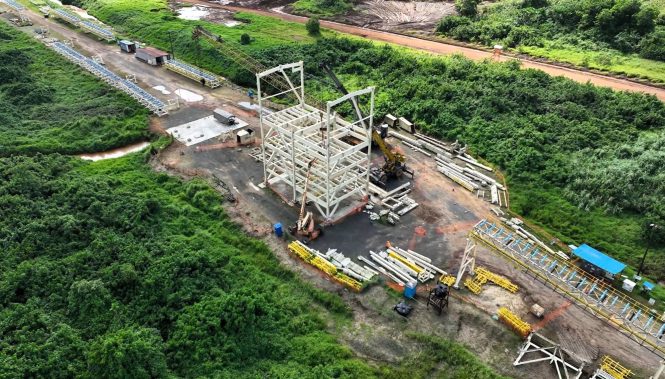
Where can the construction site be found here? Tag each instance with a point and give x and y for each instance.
(414, 232)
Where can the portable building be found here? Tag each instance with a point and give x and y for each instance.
(597, 263)
(152, 56)
(127, 46)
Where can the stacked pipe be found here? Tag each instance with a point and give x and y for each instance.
(404, 266)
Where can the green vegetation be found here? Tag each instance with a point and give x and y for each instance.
(560, 142)
(49, 105)
(112, 270)
(439, 358)
(322, 8)
(313, 27)
(620, 36)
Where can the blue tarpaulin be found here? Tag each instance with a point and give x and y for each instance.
(599, 259)
(648, 286)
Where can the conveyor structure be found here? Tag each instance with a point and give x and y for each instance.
(13, 5)
(155, 105)
(193, 72)
(294, 136)
(97, 30)
(67, 16)
(593, 294)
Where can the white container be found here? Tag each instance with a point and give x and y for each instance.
(628, 285)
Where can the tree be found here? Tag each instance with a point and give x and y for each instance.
(245, 39)
(131, 352)
(653, 46)
(313, 26)
(468, 8)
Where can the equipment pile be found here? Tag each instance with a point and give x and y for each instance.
(396, 203)
(402, 266)
(335, 264)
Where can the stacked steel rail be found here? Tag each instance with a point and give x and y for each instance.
(593, 294)
(14, 5)
(97, 30)
(195, 73)
(155, 105)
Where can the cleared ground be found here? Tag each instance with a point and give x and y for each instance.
(437, 228)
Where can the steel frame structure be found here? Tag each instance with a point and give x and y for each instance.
(294, 136)
(14, 5)
(591, 293)
(546, 350)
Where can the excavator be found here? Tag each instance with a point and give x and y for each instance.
(305, 226)
(394, 163)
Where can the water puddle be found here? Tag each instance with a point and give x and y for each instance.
(253, 107)
(188, 96)
(193, 13)
(162, 89)
(115, 153)
(82, 13)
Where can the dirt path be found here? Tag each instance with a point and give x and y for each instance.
(443, 48)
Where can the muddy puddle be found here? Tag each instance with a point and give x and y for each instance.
(115, 153)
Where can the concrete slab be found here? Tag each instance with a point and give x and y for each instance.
(203, 129)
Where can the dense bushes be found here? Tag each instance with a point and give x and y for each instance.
(626, 25)
(48, 105)
(111, 270)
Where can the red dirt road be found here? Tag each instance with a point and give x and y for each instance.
(443, 48)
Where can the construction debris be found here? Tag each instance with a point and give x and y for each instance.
(537, 348)
(404, 266)
(336, 265)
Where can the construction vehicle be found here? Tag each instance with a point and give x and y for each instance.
(394, 162)
(306, 226)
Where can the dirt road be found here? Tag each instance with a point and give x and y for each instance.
(443, 48)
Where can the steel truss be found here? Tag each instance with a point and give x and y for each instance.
(593, 294)
(537, 348)
(293, 137)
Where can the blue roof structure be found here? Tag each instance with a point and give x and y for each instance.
(648, 285)
(599, 259)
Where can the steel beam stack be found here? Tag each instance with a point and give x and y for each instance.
(593, 294)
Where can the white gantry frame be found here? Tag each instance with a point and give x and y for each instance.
(468, 261)
(295, 136)
(537, 348)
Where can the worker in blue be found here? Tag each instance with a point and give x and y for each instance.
(250, 93)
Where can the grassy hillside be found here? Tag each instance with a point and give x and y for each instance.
(582, 161)
(621, 36)
(49, 105)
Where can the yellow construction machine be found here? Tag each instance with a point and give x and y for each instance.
(394, 162)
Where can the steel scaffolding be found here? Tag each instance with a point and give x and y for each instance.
(293, 137)
(593, 294)
(537, 348)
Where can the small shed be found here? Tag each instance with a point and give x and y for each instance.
(597, 263)
(407, 125)
(245, 136)
(152, 56)
(127, 46)
(390, 120)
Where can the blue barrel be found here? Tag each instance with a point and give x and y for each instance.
(278, 229)
(410, 289)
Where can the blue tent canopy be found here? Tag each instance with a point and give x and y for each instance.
(599, 259)
(648, 285)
